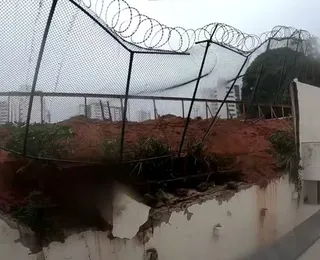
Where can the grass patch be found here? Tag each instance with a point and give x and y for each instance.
(44, 141)
(283, 143)
(111, 150)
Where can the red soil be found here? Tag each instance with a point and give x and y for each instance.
(247, 143)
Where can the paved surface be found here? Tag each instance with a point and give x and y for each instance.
(312, 253)
(295, 244)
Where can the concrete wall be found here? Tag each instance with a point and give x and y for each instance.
(309, 130)
(251, 219)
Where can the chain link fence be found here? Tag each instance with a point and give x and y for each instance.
(74, 87)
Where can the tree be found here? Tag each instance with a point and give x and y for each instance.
(280, 67)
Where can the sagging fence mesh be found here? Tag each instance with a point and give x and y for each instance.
(73, 87)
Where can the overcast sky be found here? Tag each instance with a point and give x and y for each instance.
(251, 16)
(80, 57)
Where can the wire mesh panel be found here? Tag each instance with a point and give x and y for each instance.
(80, 56)
(22, 25)
(89, 81)
(155, 74)
(216, 85)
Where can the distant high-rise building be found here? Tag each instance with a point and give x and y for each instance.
(4, 112)
(143, 115)
(96, 111)
(228, 110)
(19, 107)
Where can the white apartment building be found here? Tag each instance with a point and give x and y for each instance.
(228, 110)
(143, 115)
(19, 108)
(4, 112)
(94, 110)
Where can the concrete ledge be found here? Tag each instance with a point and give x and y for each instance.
(293, 244)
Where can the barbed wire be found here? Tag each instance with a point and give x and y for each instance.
(144, 31)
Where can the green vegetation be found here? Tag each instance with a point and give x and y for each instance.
(160, 168)
(150, 148)
(111, 150)
(31, 210)
(297, 65)
(43, 141)
(284, 145)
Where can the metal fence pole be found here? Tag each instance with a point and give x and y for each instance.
(36, 73)
(124, 118)
(85, 107)
(280, 82)
(228, 113)
(109, 111)
(121, 105)
(102, 111)
(259, 111)
(243, 110)
(41, 107)
(154, 109)
(254, 92)
(193, 97)
(224, 100)
(182, 108)
(274, 113)
(209, 111)
(206, 110)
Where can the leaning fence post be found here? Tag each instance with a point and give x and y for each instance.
(85, 107)
(243, 110)
(213, 121)
(193, 97)
(228, 112)
(36, 73)
(121, 105)
(109, 111)
(254, 92)
(209, 111)
(155, 109)
(124, 117)
(274, 113)
(41, 107)
(102, 111)
(206, 110)
(182, 108)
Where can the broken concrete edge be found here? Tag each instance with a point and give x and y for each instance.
(156, 217)
(162, 214)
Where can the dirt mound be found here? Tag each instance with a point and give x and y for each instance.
(247, 143)
(233, 152)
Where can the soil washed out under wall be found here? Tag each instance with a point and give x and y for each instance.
(56, 200)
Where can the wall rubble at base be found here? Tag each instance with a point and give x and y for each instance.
(251, 219)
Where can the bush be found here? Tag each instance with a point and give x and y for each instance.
(111, 149)
(150, 148)
(160, 168)
(284, 145)
(44, 141)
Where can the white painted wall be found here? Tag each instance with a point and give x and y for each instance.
(309, 130)
(244, 229)
(309, 125)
